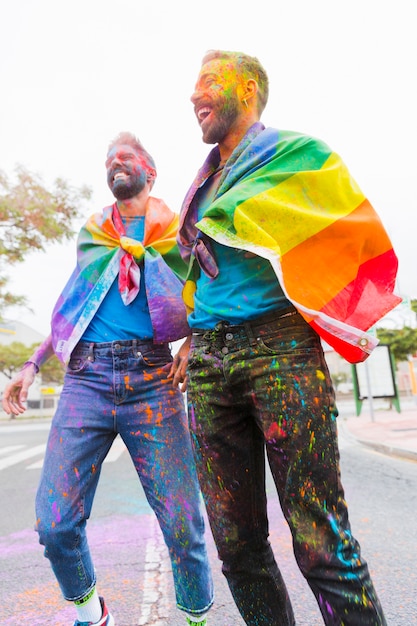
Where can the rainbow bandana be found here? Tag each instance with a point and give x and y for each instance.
(288, 198)
(103, 252)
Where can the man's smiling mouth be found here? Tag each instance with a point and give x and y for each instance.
(203, 113)
(119, 176)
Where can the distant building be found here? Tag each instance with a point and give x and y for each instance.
(18, 331)
(42, 399)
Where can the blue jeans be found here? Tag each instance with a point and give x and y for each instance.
(265, 387)
(110, 388)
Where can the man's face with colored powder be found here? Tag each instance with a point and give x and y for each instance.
(215, 99)
(127, 171)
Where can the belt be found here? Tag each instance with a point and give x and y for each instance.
(125, 346)
(226, 334)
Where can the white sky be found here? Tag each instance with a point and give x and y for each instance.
(74, 74)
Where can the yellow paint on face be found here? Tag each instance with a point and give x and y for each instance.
(217, 77)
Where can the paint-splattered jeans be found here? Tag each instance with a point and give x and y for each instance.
(110, 388)
(267, 387)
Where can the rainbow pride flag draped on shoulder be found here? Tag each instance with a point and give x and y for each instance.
(288, 198)
(105, 252)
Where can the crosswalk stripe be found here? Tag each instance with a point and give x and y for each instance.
(115, 452)
(22, 456)
(8, 449)
(36, 465)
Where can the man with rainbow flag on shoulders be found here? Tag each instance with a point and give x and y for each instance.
(111, 327)
(283, 250)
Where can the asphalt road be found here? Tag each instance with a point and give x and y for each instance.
(131, 559)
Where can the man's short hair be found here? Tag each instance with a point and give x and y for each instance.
(246, 66)
(129, 139)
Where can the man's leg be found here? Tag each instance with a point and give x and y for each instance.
(230, 460)
(153, 424)
(297, 412)
(78, 443)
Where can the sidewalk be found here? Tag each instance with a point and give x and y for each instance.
(386, 431)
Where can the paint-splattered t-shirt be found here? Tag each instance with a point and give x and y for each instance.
(245, 287)
(114, 320)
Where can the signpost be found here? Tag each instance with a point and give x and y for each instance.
(375, 378)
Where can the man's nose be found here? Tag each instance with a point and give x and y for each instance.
(195, 96)
(115, 162)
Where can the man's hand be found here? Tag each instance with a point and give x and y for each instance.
(178, 371)
(16, 392)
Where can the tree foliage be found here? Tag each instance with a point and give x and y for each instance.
(403, 342)
(32, 216)
(13, 355)
(52, 372)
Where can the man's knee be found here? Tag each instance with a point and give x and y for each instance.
(56, 537)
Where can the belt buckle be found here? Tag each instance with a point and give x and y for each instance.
(221, 326)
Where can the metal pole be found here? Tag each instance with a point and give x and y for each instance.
(368, 384)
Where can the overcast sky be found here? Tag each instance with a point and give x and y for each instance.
(74, 74)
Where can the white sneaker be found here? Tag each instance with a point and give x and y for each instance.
(105, 620)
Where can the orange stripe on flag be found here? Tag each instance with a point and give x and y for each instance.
(316, 258)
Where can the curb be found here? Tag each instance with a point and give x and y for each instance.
(378, 447)
(388, 450)
(7, 421)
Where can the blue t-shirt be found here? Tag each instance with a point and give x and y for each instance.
(246, 286)
(115, 320)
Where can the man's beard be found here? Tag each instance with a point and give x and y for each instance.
(226, 114)
(126, 188)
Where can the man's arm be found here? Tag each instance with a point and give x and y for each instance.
(16, 392)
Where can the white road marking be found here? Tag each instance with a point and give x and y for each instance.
(36, 465)
(155, 599)
(8, 449)
(15, 454)
(18, 457)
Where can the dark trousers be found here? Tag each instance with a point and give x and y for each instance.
(266, 387)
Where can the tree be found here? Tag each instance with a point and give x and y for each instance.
(52, 372)
(403, 342)
(13, 355)
(32, 216)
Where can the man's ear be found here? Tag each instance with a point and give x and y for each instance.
(249, 90)
(151, 175)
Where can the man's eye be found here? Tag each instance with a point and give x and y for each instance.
(214, 84)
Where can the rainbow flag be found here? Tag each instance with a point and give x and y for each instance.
(105, 253)
(288, 198)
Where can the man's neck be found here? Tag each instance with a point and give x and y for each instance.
(235, 135)
(134, 206)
